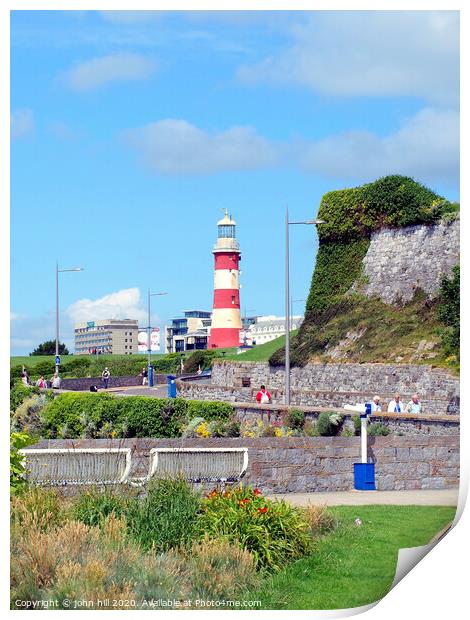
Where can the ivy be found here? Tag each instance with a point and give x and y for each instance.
(449, 311)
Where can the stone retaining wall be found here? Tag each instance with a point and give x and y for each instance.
(307, 398)
(329, 384)
(84, 383)
(400, 260)
(298, 465)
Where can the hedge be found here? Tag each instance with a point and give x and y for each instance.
(76, 415)
(19, 393)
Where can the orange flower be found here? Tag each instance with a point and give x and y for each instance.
(227, 494)
(242, 502)
(262, 510)
(257, 492)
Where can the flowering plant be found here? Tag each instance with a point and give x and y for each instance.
(273, 531)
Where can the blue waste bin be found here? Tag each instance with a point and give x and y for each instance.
(171, 386)
(150, 376)
(364, 476)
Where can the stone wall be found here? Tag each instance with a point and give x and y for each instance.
(333, 385)
(303, 465)
(84, 383)
(400, 260)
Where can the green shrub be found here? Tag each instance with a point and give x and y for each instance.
(95, 506)
(17, 468)
(274, 532)
(91, 415)
(209, 410)
(19, 393)
(357, 424)
(75, 411)
(28, 416)
(200, 359)
(449, 312)
(378, 429)
(43, 507)
(328, 423)
(167, 517)
(295, 419)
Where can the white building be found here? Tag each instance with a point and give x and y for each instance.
(267, 328)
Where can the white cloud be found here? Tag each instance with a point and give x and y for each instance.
(426, 147)
(98, 72)
(21, 123)
(132, 17)
(369, 53)
(174, 146)
(123, 304)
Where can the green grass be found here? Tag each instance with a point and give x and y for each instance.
(32, 360)
(260, 352)
(353, 566)
(382, 333)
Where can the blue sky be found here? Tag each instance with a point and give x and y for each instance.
(131, 131)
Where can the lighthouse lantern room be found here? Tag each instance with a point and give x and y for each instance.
(226, 322)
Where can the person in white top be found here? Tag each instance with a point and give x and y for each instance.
(395, 405)
(414, 406)
(55, 381)
(376, 406)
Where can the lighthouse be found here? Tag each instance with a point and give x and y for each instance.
(226, 323)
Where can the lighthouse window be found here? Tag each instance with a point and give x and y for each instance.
(227, 231)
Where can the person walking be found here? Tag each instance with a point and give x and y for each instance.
(25, 378)
(144, 375)
(41, 383)
(263, 397)
(55, 381)
(395, 405)
(105, 377)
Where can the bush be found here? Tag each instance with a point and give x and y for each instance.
(449, 312)
(220, 570)
(378, 429)
(295, 419)
(320, 520)
(200, 359)
(28, 416)
(17, 469)
(43, 507)
(103, 415)
(75, 412)
(274, 532)
(19, 393)
(209, 410)
(94, 507)
(167, 517)
(328, 423)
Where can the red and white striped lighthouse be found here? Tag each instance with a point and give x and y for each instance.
(226, 323)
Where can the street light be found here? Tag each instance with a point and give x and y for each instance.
(149, 330)
(57, 271)
(287, 325)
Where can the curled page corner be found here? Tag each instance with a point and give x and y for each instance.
(409, 557)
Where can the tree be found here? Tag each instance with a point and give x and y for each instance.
(48, 348)
(449, 311)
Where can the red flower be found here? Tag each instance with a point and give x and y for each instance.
(242, 502)
(257, 492)
(262, 510)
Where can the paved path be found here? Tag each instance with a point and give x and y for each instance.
(441, 497)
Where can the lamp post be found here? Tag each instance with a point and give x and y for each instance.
(149, 331)
(287, 301)
(57, 271)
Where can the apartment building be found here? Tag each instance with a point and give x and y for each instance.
(110, 336)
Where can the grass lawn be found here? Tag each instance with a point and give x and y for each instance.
(261, 352)
(353, 566)
(32, 360)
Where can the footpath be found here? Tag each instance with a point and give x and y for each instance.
(428, 497)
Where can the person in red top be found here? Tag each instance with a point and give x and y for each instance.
(263, 397)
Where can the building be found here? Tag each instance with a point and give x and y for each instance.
(188, 333)
(226, 321)
(268, 328)
(111, 336)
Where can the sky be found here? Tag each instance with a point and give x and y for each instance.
(132, 131)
